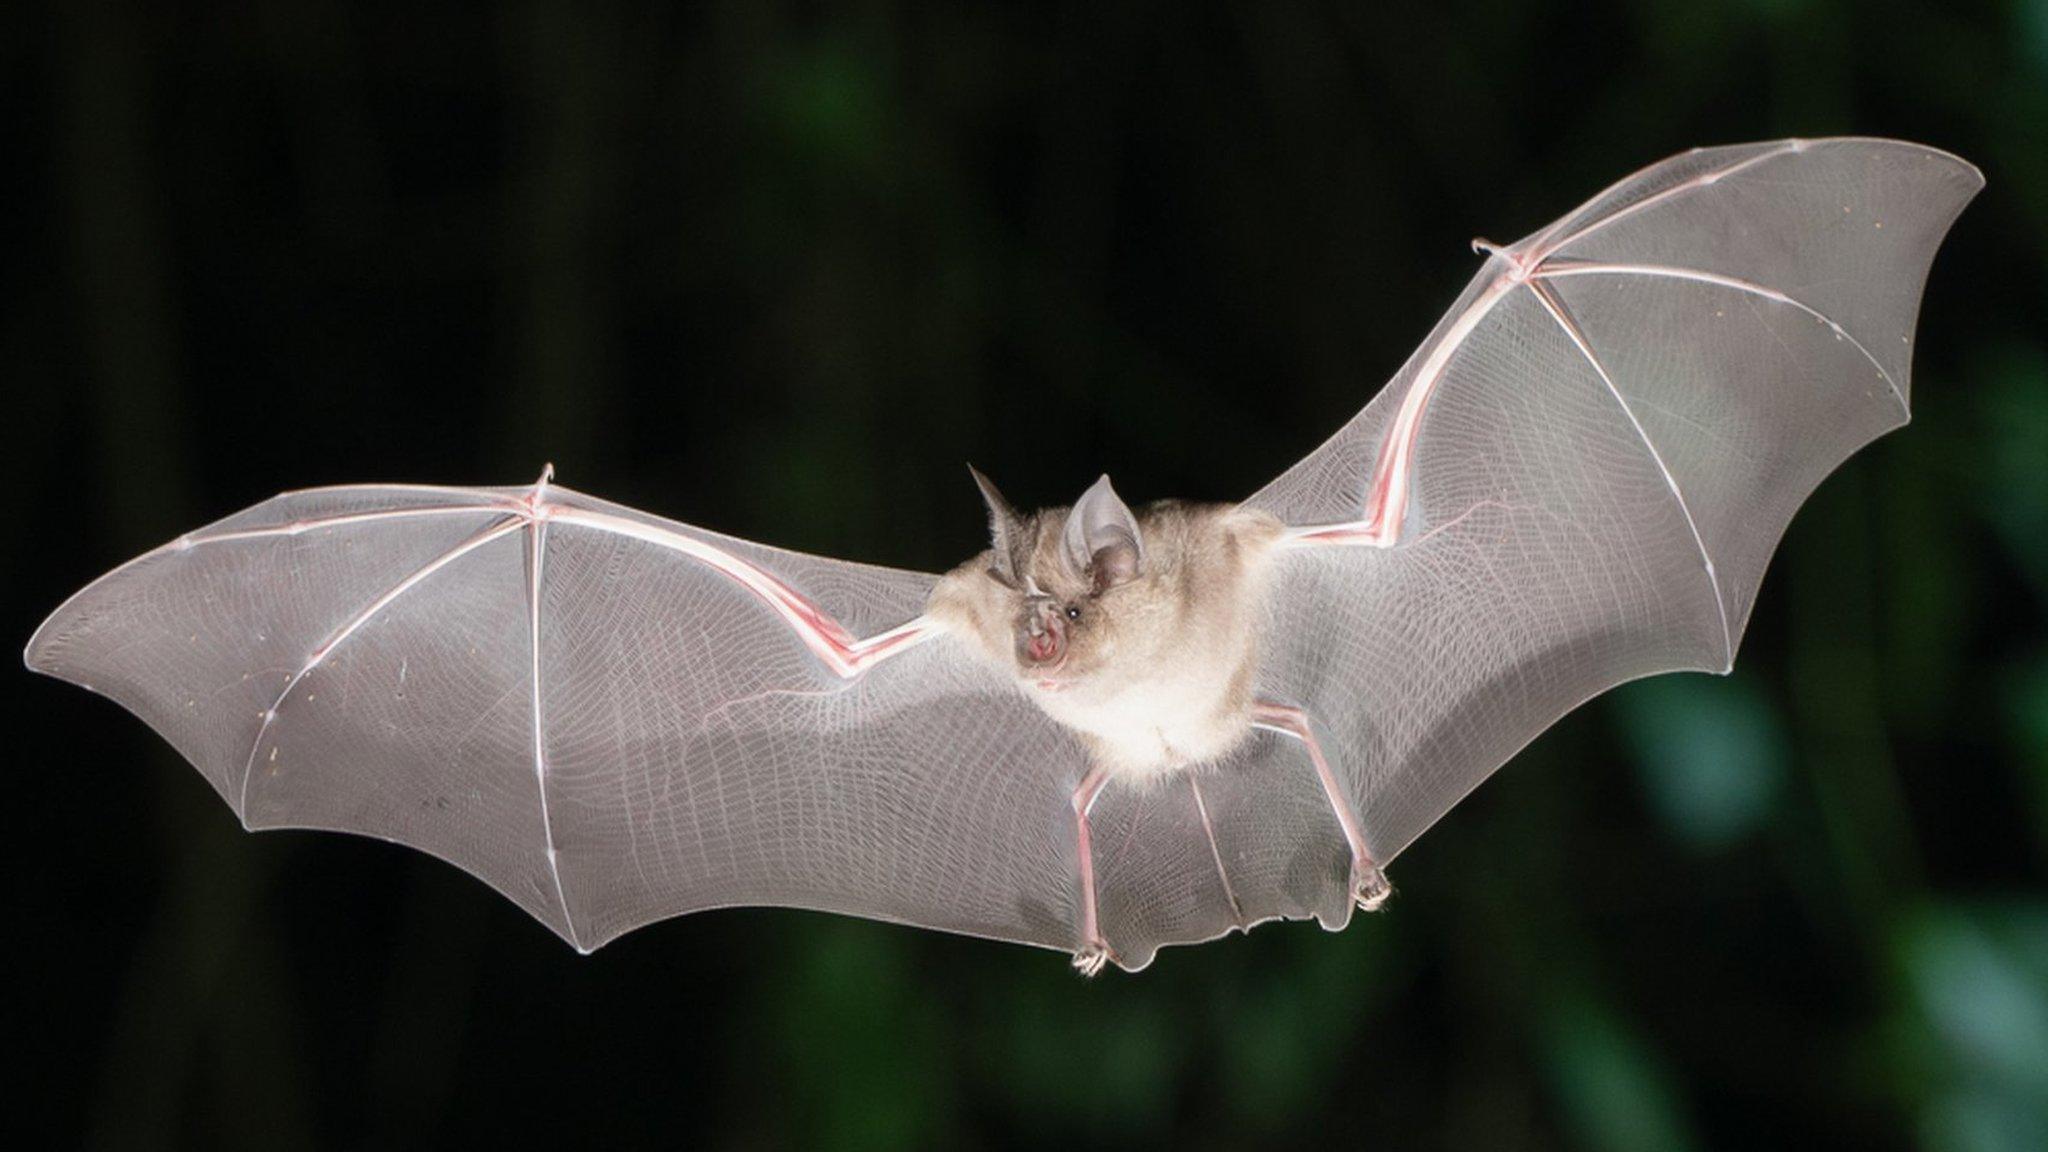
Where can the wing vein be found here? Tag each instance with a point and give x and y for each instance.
(1577, 336)
(299, 527)
(1734, 283)
(536, 540)
(829, 640)
(1544, 247)
(350, 628)
(1215, 851)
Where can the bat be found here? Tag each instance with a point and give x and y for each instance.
(1115, 729)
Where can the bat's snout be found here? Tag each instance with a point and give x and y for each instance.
(1043, 640)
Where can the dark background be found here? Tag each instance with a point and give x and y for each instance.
(781, 269)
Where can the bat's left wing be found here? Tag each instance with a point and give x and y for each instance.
(1580, 476)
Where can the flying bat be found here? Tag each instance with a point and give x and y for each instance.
(1117, 728)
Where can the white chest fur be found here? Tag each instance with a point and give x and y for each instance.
(1154, 724)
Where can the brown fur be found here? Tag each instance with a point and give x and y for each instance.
(1158, 671)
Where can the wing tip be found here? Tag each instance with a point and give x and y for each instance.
(1972, 175)
(36, 655)
(35, 646)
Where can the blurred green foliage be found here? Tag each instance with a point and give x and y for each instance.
(1712, 755)
(780, 268)
(1975, 1037)
(1613, 1087)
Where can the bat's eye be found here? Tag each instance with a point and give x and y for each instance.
(1073, 612)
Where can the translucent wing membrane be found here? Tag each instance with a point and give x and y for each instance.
(611, 718)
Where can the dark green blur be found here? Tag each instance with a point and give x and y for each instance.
(782, 270)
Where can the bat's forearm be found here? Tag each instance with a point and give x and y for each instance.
(839, 650)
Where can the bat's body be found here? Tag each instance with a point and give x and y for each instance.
(1113, 730)
(1139, 633)
(1154, 671)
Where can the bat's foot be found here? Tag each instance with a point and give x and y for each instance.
(1090, 959)
(1369, 887)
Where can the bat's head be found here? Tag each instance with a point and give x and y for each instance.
(1067, 577)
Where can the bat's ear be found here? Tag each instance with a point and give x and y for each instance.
(1102, 537)
(1004, 528)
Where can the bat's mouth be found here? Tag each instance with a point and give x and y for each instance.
(1043, 647)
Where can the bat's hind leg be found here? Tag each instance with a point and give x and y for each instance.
(1369, 887)
(1094, 951)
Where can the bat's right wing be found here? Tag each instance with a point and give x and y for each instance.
(1580, 476)
(609, 717)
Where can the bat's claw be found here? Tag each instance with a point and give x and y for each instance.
(1369, 887)
(1090, 959)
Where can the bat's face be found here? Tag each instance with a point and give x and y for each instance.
(1063, 625)
(1065, 581)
